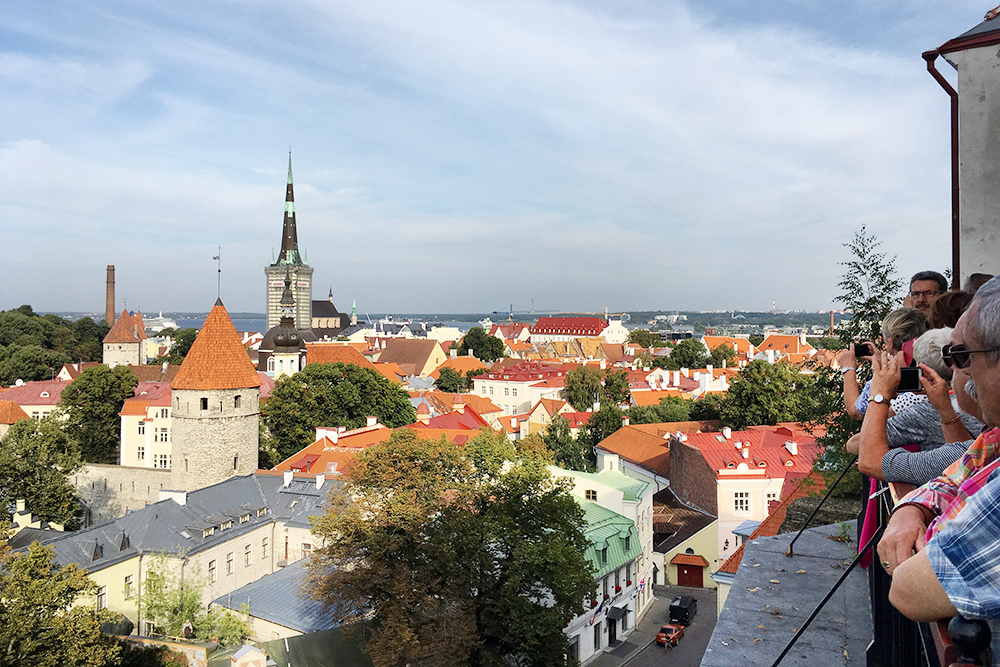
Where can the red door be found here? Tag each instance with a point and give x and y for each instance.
(689, 575)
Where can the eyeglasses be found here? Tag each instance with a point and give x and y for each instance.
(956, 356)
(928, 293)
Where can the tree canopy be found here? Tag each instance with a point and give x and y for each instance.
(34, 347)
(169, 603)
(484, 347)
(670, 409)
(40, 622)
(568, 451)
(585, 385)
(763, 393)
(645, 338)
(91, 404)
(464, 556)
(454, 382)
(870, 288)
(331, 395)
(721, 353)
(690, 353)
(36, 459)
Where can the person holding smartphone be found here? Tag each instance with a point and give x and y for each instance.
(941, 427)
(899, 326)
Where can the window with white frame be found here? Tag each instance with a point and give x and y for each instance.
(229, 563)
(247, 556)
(263, 548)
(102, 597)
(129, 587)
(741, 502)
(213, 574)
(768, 497)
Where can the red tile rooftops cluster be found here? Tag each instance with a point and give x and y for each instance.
(40, 392)
(507, 331)
(146, 394)
(569, 326)
(525, 371)
(771, 452)
(128, 328)
(332, 353)
(217, 359)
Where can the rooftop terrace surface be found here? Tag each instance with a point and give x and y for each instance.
(773, 594)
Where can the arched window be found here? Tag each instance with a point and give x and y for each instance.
(270, 364)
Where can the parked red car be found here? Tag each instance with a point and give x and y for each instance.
(670, 634)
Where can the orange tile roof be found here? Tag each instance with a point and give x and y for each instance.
(642, 446)
(217, 359)
(11, 413)
(332, 353)
(321, 454)
(127, 329)
(146, 394)
(390, 370)
(461, 365)
(653, 397)
(785, 344)
(712, 342)
(688, 559)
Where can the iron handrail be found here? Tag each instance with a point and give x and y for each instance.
(843, 472)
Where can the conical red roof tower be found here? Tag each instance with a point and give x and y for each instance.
(217, 359)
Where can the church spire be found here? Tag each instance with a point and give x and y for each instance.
(289, 237)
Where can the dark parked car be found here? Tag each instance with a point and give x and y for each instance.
(670, 634)
(682, 609)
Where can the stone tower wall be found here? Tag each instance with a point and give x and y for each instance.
(109, 491)
(301, 291)
(121, 354)
(207, 440)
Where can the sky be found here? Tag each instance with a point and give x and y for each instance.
(470, 156)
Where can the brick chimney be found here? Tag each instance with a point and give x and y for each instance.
(109, 301)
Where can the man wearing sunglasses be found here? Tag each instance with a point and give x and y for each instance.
(953, 522)
(925, 288)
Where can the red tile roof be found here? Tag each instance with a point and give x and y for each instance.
(128, 328)
(217, 359)
(569, 326)
(324, 455)
(688, 559)
(332, 353)
(766, 450)
(40, 392)
(11, 413)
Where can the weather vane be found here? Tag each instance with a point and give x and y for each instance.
(218, 258)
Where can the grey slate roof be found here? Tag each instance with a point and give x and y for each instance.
(281, 598)
(170, 527)
(779, 592)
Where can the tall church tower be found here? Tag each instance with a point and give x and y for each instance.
(290, 262)
(216, 408)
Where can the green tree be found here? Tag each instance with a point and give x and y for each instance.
(585, 385)
(614, 386)
(30, 362)
(449, 380)
(568, 451)
(707, 407)
(763, 393)
(485, 347)
(670, 409)
(465, 556)
(36, 460)
(183, 339)
(755, 339)
(331, 395)
(869, 287)
(690, 353)
(722, 353)
(666, 363)
(645, 338)
(601, 424)
(169, 602)
(40, 622)
(92, 403)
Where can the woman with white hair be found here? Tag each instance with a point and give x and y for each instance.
(941, 429)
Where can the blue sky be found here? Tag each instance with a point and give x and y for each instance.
(466, 156)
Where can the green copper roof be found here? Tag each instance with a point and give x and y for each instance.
(608, 530)
(632, 489)
(289, 166)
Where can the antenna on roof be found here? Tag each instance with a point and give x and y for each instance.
(218, 258)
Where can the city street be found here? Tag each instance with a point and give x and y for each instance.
(640, 648)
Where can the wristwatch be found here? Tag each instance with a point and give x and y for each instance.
(878, 398)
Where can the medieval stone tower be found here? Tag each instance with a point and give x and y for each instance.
(216, 408)
(289, 263)
(126, 341)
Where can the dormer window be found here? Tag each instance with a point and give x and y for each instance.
(227, 525)
(244, 518)
(590, 494)
(262, 511)
(208, 532)
(730, 465)
(44, 394)
(762, 464)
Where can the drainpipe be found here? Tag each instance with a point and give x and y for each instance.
(956, 277)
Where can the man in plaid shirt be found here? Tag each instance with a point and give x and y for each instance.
(940, 545)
